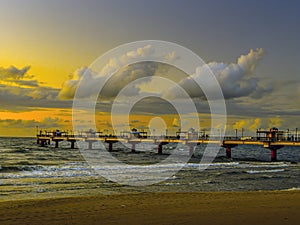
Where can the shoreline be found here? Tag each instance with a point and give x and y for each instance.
(96, 194)
(252, 207)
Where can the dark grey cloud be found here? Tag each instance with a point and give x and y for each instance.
(19, 90)
(13, 72)
(30, 83)
(19, 98)
(46, 122)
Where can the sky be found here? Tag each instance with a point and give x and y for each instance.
(46, 47)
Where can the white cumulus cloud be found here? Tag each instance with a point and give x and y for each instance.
(235, 79)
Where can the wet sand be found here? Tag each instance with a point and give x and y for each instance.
(275, 207)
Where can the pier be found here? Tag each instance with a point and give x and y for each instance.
(272, 140)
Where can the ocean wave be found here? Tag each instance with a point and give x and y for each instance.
(292, 189)
(217, 164)
(38, 171)
(265, 165)
(265, 171)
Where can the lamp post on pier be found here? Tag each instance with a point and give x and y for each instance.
(204, 134)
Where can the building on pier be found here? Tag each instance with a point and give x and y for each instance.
(273, 135)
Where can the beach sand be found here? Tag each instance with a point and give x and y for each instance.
(274, 207)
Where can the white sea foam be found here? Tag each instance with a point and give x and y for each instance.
(264, 165)
(265, 171)
(165, 166)
(293, 189)
(74, 169)
(218, 164)
(49, 172)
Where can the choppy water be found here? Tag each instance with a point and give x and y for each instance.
(30, 171)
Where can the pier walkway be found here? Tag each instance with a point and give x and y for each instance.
(272, 140)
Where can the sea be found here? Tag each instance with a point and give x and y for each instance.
(29, 171)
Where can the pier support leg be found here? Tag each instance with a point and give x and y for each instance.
(42, 143)
(133, 147)
(110, 146)
(191, 150)
(72, 144)
(273, 155)
(159, 149)
(228, 152)
(56, 144)
(90, 145)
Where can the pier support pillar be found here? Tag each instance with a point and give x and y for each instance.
(133, 147)
(159, 149)
(273, 155)
(228, 148)
(56, 144)
(273, 149)
(42, 143)
(72, 144)
(228, 152)
(90, 145)
(110, 146)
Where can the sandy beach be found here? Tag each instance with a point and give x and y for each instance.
(274, 207)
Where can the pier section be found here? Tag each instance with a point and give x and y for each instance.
(272, 140)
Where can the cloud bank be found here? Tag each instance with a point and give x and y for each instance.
(19, 89)
(236, 79)
(46, 122)
(90, 79)
(112, 86)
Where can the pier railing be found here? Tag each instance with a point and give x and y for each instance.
(211, 138)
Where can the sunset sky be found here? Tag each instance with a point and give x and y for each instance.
(46, 45)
